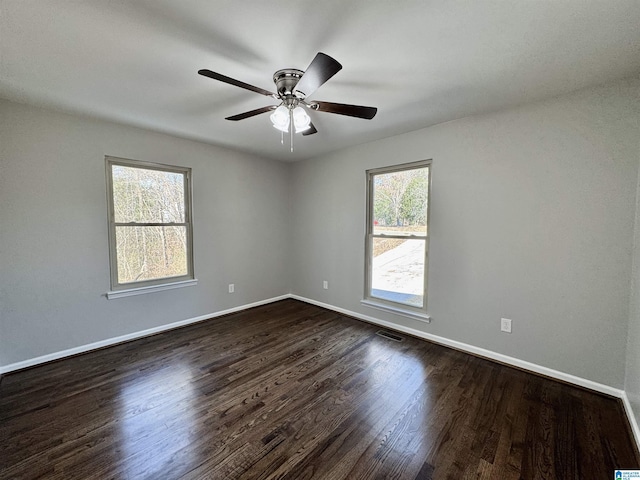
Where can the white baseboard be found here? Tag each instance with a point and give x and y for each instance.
(532, 367)
(130, 336)
(516, 362)
(632, 418)
(598, 387)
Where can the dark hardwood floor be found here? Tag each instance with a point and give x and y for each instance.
(292, 391)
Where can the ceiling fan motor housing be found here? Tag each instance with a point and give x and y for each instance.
(286, 80)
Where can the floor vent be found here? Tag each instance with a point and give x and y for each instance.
(389, 335)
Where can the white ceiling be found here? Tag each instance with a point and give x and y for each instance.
(420, 62)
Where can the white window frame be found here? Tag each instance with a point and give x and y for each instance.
(418, 313)
(147, 286)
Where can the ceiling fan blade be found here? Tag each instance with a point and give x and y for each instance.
(251, 113)
(321, 69)
(344, 109)
(237, 83)
(310, 131)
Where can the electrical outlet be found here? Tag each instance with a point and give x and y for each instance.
(325, 284)
(232, 288)
(505, 325)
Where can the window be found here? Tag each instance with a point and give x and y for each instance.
(150, 241)
(397, 239)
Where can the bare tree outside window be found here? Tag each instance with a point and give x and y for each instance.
(149, 223)
(397, 235)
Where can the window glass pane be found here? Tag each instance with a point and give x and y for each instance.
(147, 196)
(148, 253)
(400, 202)
(397, 272)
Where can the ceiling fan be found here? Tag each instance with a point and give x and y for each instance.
(293, 87)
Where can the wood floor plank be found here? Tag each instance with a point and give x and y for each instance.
(292, 391)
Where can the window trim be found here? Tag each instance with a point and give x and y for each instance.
(419, 313)
(119, 290)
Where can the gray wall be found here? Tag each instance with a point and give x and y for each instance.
(632, 379)
(532, 218)
(54, 262)
(532, 215)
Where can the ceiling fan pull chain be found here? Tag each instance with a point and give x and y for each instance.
(281, 137)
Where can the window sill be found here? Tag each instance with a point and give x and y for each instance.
(397, 310)
(130, 292)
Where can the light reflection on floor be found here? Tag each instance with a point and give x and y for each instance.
(158, 421)
(411, 395)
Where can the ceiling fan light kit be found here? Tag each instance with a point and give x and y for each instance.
(293, 86)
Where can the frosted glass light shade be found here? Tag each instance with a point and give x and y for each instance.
(300, 119)
(280, 118)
